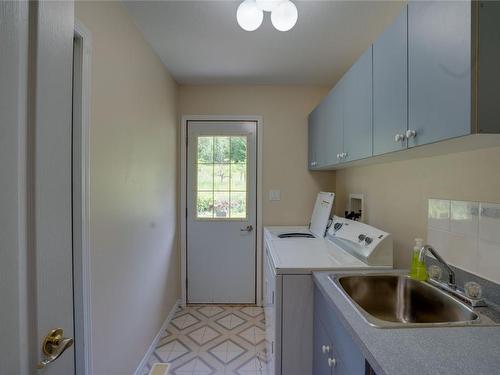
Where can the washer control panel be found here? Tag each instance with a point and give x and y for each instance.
(360, 239)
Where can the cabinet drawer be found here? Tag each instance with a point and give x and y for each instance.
(349, 357)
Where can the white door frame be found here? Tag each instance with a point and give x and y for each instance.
(183, 195)
(81, 202)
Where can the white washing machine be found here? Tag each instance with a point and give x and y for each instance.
(288, 286)
(318, 226)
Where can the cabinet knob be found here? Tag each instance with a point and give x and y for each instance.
(399, 137)
(325, 349)
(332, 362)
(344, 155)
(411, 134)
(338, 156)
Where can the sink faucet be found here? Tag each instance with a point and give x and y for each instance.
(451, 274)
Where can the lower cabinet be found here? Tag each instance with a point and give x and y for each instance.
(323, 355)
(334, 350)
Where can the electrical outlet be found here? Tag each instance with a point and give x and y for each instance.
(274, 195)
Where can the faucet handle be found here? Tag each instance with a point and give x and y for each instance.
(473, 290)
(435, 272)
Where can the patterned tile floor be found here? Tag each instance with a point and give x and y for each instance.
(214, 340)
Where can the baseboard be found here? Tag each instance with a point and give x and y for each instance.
(144, 361)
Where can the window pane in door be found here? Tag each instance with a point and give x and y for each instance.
(239, 150)
(239, 177)
(221, 177)
(221, 149)
(205, 205)
(205, 149)
(238, 205)
(221, 205)
(221, 184)
(205, 177)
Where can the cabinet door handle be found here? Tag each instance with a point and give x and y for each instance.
(332, 362)
(325, 349)
(399, 137)
(411, 134)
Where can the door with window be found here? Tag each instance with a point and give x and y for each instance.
(221, 212)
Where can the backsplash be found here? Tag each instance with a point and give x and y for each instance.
(467, 235)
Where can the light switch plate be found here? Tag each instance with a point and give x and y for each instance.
(274, 195)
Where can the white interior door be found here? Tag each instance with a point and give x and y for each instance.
(221, 212)
(51, 181)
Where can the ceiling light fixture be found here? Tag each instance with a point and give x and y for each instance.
(284, 14)
(249, 15)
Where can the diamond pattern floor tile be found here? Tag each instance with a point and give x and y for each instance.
(252, 311)
(185, 321)
(251, 367)
(214, 340)
(230, 321)
(227, 351)
(210, 311)
(254, 335)
(204, 335)
(171, 351)
(196, 366)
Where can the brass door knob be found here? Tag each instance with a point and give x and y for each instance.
(54, 344)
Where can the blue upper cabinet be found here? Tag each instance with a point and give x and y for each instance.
(390, 107)
(312, 138)
(357, 89)
(335, 127)
(431, 76)
(326, 130)
(439, 70)
(317, 136)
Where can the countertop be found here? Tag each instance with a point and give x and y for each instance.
(417, 351)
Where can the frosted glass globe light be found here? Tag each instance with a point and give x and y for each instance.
(268, 5)
(284, 16)
(249, 15)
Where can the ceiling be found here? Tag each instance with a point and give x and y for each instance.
(200, 42)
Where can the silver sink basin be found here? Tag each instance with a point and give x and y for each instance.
(387, 301)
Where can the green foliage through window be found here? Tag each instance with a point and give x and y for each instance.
(221, 177)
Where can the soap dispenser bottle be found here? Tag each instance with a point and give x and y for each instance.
(415, 270)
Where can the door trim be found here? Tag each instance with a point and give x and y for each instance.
(81, 202)
(183, 206)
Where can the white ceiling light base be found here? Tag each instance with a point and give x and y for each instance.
(284, 14)
(268, 5)
(249, 15)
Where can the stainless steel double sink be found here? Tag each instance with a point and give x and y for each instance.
(397, 301)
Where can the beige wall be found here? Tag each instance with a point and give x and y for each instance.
(135, 261)
(284, 110)
(396, 193)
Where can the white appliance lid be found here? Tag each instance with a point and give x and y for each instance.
(321, 213)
